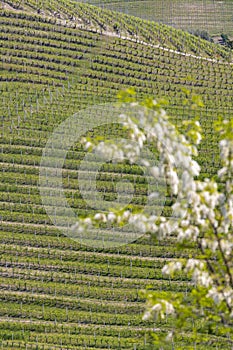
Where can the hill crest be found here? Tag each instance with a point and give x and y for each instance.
(69, 13)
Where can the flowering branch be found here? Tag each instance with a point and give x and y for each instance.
(203, 214)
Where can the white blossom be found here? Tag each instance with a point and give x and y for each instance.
(146, 316)
(171, 268)
(192, 264)
(156, 308)
(155, 171)
(111, 217)
(100, 217)
(215, 295)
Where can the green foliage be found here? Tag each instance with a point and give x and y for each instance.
(202, 34)
(227, 41)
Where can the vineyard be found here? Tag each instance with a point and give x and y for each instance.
(212, 16)
(57, 59)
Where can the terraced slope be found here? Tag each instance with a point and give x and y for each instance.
(211, 15)
(57, 293)
(75, 14)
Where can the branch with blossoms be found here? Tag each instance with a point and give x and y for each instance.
(203, 215)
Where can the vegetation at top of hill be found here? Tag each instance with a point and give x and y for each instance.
(227, 41)
(202, 34)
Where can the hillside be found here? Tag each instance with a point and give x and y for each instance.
(211, 15)
(77, 15)
(58, 58)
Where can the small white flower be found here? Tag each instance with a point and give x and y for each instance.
(146, 316)
(156, 308)
(153, 195)
(87, 221)
(88, 146)
(100, 217)
(169, 308)
(126, 215)
(171, 268)
(154, 171)
(111, 217)
(169, 337)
